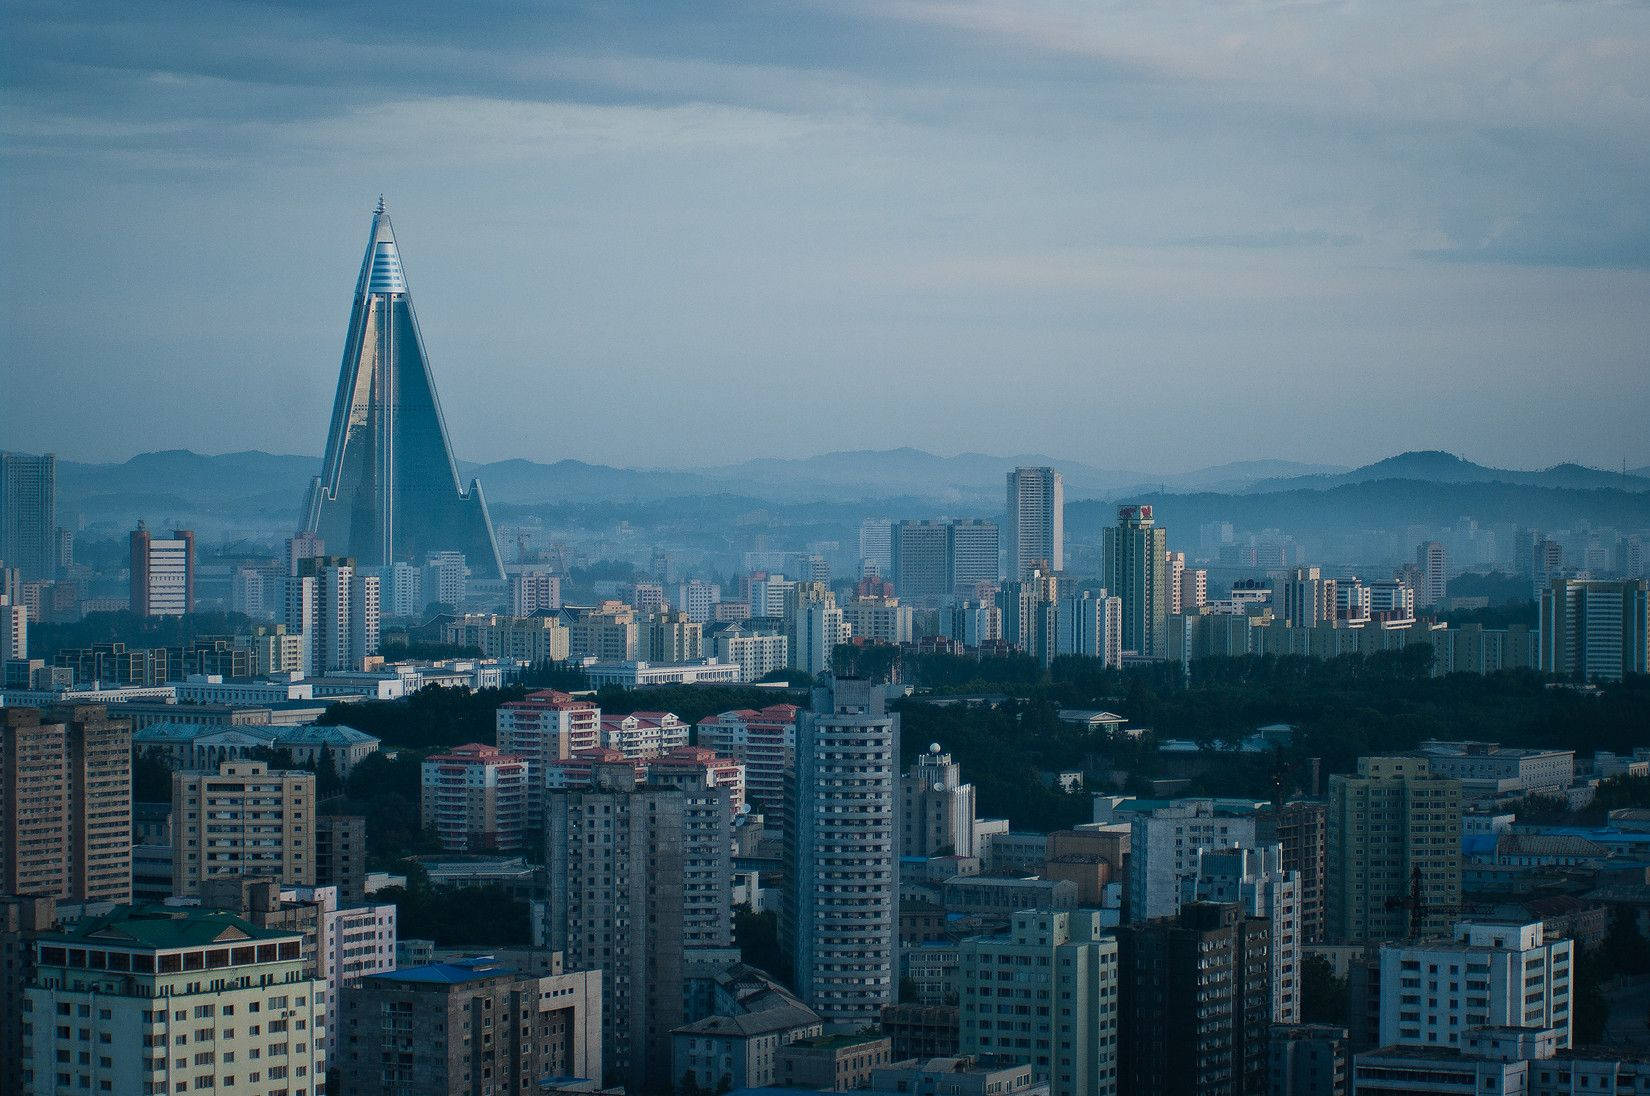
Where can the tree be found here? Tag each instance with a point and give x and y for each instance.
(1323, 996)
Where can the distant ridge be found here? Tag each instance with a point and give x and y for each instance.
(1436, 466)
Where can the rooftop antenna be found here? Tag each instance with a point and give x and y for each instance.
(380, 208)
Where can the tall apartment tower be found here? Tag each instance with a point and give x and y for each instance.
(618, 852)
(1175, 562)
(842, 905)
(28, 514)
(1134, 565)
(1256, 880)
(1031, 614)
(936, 809)
(1393, 827)
(34, 825)
(1432, 561)
(99, 792)
(1299, 828)
(14, 631)
(245, 819)
(389, 490)
(1091, 624)
(66, 804)
(920, 561)
(876, 547)
(975, 555)
(163, 573)
(1046, 993)
(1196, 1003)
(1593, 630)
(1036, 520)
(338, 610)
(1164, 848)
(1308, 598)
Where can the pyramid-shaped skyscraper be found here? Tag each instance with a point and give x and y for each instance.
(389, 490)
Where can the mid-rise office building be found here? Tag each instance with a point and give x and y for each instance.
(1394, 828)
(28, 514)
(163, 573)
(1036, 520)
(1134, 567)
(66, 804)
(1486, 974)
(1593, 630)
(638, 875)
(242, 819)
(474, 798)
(1197, 1003)
(180, 1000)
(936, 809)
(474, 1025)
(841, 908)
(1046, 993)
(922, 561)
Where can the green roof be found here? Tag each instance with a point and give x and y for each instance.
(162, 927)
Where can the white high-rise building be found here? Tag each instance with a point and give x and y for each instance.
(401, 588)
(1593, 630)
(351, 942)
(757, 654)
(1256, 880)
(876, 547)
(446, 577)
(819, 626)
(1045, 992)
(1304, 598)
(14, 631)
(1036, 520)
(1176, 564)
(1432, 558)
(1090, 624)
(163, 573)
(1491, 974)
(695, 598)
(1164, 847)
(842, 907)
(337, 610)
(879, 619)
(535, 591)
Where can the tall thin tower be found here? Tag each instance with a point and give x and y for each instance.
(1036, 521)
(389, 490)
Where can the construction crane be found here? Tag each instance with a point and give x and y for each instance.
(1417, 906)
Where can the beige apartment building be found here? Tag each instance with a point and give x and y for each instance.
(244, 819)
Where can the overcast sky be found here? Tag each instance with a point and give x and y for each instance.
(1155, 234)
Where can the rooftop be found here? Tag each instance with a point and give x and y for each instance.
(164, 927)
(448, 974)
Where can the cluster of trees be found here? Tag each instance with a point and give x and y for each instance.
(46, 638)
(458, 917)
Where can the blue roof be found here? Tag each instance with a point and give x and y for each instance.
(171, 732)
(455, 973)
(316, 734)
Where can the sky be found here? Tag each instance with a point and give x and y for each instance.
(1154, 234)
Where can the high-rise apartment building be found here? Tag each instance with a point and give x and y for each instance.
(534, 592)
(14, 632)
(1256, 881)
(1175, 562)
(1045, 993)
(639, 874)
(389, 490)
(66, 804)
(1307, 598)
(921, 561)
(876, 547)
(1594, 630)
(1091, 624)
(474, 1025)
(1164, 848)
(163, 573)
(1194, 589)
(337, 608)
(1134, 566)
(1196, 1003)
(1030, 614)
(181, 1000)
(23, 918)
(1495, 974)
(1394, 827)
(341, 855)
(695, 598)
(670, 636)
(936, 809)
(817, 627)
(764, 741)
(879, 619)
(841, 909)
(1036, 520)
(28, 514)
(545, 726)
(1299, 828)
(243, 819)
(756, 653)
(1432, 563)
(474, 798)
(975, 556)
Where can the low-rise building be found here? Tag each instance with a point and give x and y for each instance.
(837, 1062)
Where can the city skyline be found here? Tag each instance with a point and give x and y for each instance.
(1146, 214)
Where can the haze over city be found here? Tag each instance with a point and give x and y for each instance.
(862, 548)
(1162, 236)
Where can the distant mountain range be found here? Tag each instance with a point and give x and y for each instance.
(258, 488)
